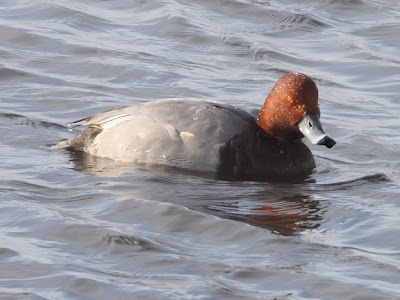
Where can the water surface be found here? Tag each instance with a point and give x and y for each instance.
(74, 229)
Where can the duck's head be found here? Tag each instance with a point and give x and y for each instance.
(291, 111)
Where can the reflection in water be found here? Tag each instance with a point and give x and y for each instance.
(285, 215)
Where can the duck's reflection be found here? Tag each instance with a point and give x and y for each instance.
(287, 215)
(267, 208)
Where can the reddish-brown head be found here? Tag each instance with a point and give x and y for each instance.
(292, 96)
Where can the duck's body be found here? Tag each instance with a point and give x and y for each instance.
(191, 134)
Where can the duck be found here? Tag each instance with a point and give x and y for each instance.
(213, 137)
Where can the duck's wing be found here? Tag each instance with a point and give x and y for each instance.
(96, 123)
(103, 120)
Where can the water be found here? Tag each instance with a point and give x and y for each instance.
(73, 228)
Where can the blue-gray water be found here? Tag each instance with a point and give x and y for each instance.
(72, 229)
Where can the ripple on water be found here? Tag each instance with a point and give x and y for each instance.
(73, 227)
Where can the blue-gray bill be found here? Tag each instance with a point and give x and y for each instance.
(311, 128)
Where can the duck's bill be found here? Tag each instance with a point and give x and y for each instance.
(311, 128)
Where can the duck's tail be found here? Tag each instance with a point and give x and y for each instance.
(62, 144)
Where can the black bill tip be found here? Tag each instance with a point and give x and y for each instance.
(327, 141)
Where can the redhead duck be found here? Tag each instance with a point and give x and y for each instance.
(209, 136)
